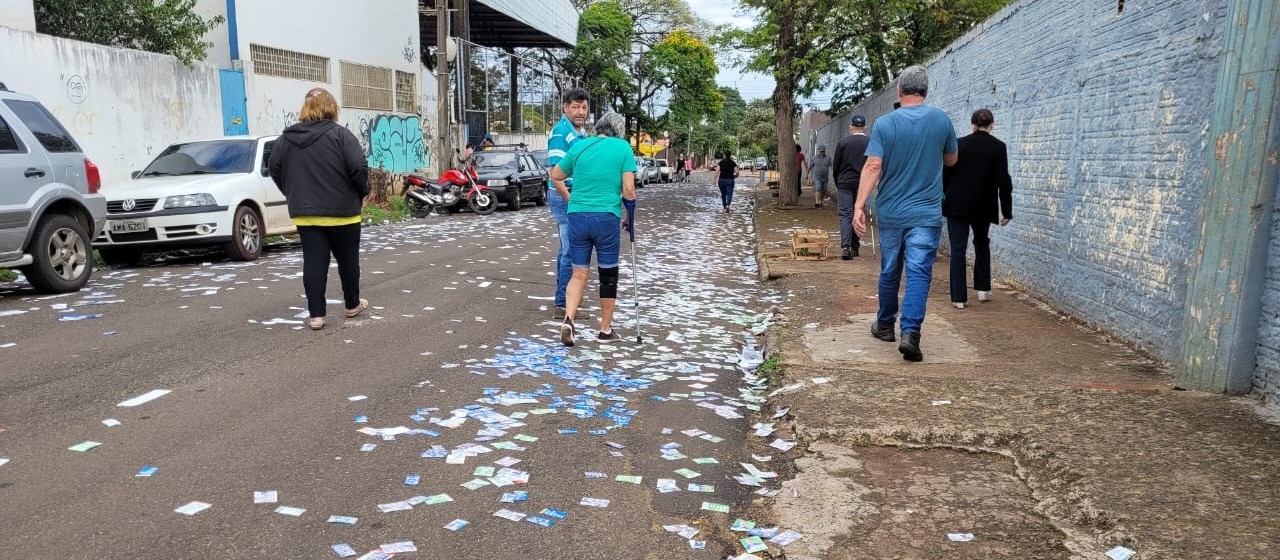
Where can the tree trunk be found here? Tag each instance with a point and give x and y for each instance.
(784, 107)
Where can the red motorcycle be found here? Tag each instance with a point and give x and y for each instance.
(448, 194)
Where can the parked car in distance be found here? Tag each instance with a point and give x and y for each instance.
(665, 171)
(205, 193)
(648, 173)
(761, 163)
(50, 205)
(512, 174)
(540, 156)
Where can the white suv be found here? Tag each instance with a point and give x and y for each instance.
(50, 208)
(204, 193)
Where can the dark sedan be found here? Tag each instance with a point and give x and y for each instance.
(513, 174)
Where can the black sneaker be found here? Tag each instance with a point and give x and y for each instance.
(853, 252)
(566, 332)
(846, 254)
(910, 347)
(608, 336)
(882, 331)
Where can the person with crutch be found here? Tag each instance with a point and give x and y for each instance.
(604, 174)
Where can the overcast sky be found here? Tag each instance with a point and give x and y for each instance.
(719, 12)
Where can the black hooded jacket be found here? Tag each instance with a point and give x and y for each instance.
(321, 169)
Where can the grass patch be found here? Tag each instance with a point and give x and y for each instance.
(8, 275)
(771, 366)
(394, 210)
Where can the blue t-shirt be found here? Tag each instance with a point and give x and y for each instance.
(562, 139)
(911, 141)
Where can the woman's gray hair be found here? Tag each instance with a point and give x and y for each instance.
(611, 124)
(914, 81)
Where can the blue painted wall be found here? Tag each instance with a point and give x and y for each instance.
(1106, 116)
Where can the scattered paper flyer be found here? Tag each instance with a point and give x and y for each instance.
(594, 502)
(84, 446)
(265, 497)
(145, 397)
(1120, 553)
(960, 537)
(290, 511)
(192, 508)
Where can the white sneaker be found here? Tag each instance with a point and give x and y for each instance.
(984, 296)
(958, 304)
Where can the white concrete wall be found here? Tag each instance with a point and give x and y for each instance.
(382, 33)
(18, 14)
(219, 53)
(123, 106)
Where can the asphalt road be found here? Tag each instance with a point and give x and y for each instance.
(460, 314)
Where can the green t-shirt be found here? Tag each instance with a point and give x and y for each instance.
(596, 165)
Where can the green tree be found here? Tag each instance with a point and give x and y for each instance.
(160, 26)
(604, 39)
(685, 65)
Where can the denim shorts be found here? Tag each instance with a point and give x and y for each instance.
(594, 230)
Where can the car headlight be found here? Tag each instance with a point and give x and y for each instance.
(498, 182)
(190, 200)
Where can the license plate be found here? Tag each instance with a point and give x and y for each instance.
(129, 226)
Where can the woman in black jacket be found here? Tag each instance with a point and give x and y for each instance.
(321, 169)
(976, 189)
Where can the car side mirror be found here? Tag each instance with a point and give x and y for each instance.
(135, 174)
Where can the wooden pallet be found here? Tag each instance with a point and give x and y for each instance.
(809, 244)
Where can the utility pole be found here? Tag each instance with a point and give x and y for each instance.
(442, 80)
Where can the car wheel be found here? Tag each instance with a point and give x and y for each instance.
(62, 252)
(542, 198)
(246, 235)
(120, 256)
(513, 202)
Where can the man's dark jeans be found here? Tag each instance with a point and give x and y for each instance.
(845, 199)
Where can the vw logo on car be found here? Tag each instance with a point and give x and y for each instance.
(128, 205)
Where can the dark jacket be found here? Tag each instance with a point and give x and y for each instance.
(321, 169)
(978, 186)
(848, 159)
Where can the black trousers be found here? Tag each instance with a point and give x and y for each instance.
(318, 242)
(958, 230)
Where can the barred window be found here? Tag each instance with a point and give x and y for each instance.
(367, 87)
(270, 61)
(406, 92)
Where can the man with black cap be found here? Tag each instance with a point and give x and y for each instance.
(848, 160)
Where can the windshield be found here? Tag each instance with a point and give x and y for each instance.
(196, 158)
(493, 160)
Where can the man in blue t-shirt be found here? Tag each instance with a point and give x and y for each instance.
(905, 156)
(567, 132)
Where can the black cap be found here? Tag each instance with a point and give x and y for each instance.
(859, 120)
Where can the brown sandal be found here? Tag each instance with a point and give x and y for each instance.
(357, 310)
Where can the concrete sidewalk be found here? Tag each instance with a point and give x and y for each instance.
(1040, 437)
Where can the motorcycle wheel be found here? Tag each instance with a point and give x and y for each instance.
(482, 203)
(416, 208)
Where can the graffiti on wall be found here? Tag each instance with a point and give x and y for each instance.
(394, 143)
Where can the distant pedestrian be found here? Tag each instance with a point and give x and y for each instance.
(905, 156)
(848, 160)
(321, 169)
(605, 173)
(688, 167)
(976, 189)
(728, 171)
(564, 136)
(820, 171)
(799, 170)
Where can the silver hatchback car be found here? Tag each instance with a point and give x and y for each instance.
(50, 209)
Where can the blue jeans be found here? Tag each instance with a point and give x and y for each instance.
(600, 231)
(726, 191)
(564, 264)
(917, 249)
(958, 232)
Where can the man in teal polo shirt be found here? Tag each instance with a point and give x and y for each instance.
(604, 173)
(566, 133)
